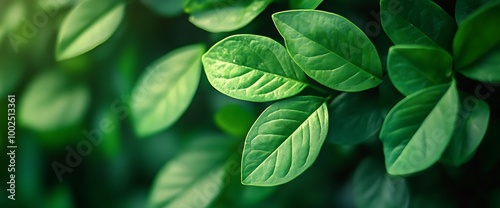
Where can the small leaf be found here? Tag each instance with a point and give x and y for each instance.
(234, 120)
(355, 117)
(253, 68)
(471, 126)
(166, 89)
(464, 7)
(420, 22)
(412, 67)
(195, 177)
(53, 101)
(330, 49)
(418, 129)
(88, 25)
(284, 141)
(305, 4)
(223, 15)
(373, 187)
(165, 8)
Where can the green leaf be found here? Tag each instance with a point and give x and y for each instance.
(330, 49)
(284, 141)
(53, 101)
(253, 68)
(304, 4)
(418, 129)
(195, 177)
(464, 7)
(223, 15)
(471, 126)
(419, 22)
(355, 117)
(476, 48)
(373, 187)
(166, 89)
(412, 67)
(88, 25)
(234, 120)
(165, 8)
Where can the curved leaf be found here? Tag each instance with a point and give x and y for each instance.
(330, 49)
(412, 68)
(305, 4)
(373, 187)
(195, 177)
(418, 129)
(419, 22)
(88, 25)
(284, 141)
(223, 15)
(253, 68)
(471, 126)
(166, 89)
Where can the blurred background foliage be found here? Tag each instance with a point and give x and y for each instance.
(60, 103)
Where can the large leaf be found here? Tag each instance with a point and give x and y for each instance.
(223, 15)
(471, 126)
(355, 117)
(464, 7)
(253, 68)
(53, 101)
(304, 4)
(476, 46)
(373, 187)
(418, 129)
(284, 141)
(195, 177)
(88, 25)
(330, 49)
(166, 89)
(412, 67)
(417, 22)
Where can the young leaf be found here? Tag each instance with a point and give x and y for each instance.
(304, 4)
(419, 22)
(330, 49)
(234, 120)
(166, 89)
(355, 117)
(165, 8)
(471, 126)
(253, 68)
(418, 129)
(223, 15)
(373, 187)
(284, 141)
(476, 46)
(53, 101)
(195, 177)
(412, 67)
(464, 7)
(88, 25)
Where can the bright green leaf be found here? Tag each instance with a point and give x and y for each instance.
(253, 68)
(355, 117)
(471, 126)
(420, 22)
(412, 67)
(195, 177)
(284, 141)
(418, 129)
(304, 4)
(330, 49)
(88, 25)
(464, 7)
(165, 8)
(223, 15)
(53, 101)
(374, 188)
(234, 120)
(166, 89)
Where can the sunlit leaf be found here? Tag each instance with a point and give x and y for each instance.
(253, 68)
(284, 141)
(166, 89)
(330, 49)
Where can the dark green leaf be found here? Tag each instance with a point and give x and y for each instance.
(165, 8)
(412, 67)
(234, 120)
(417, 22)
(304, 4)
(418, 129)
(166, 89)
(88, 25)
(284, 141)
(464, 7)
(330, 49)
(253, 68)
